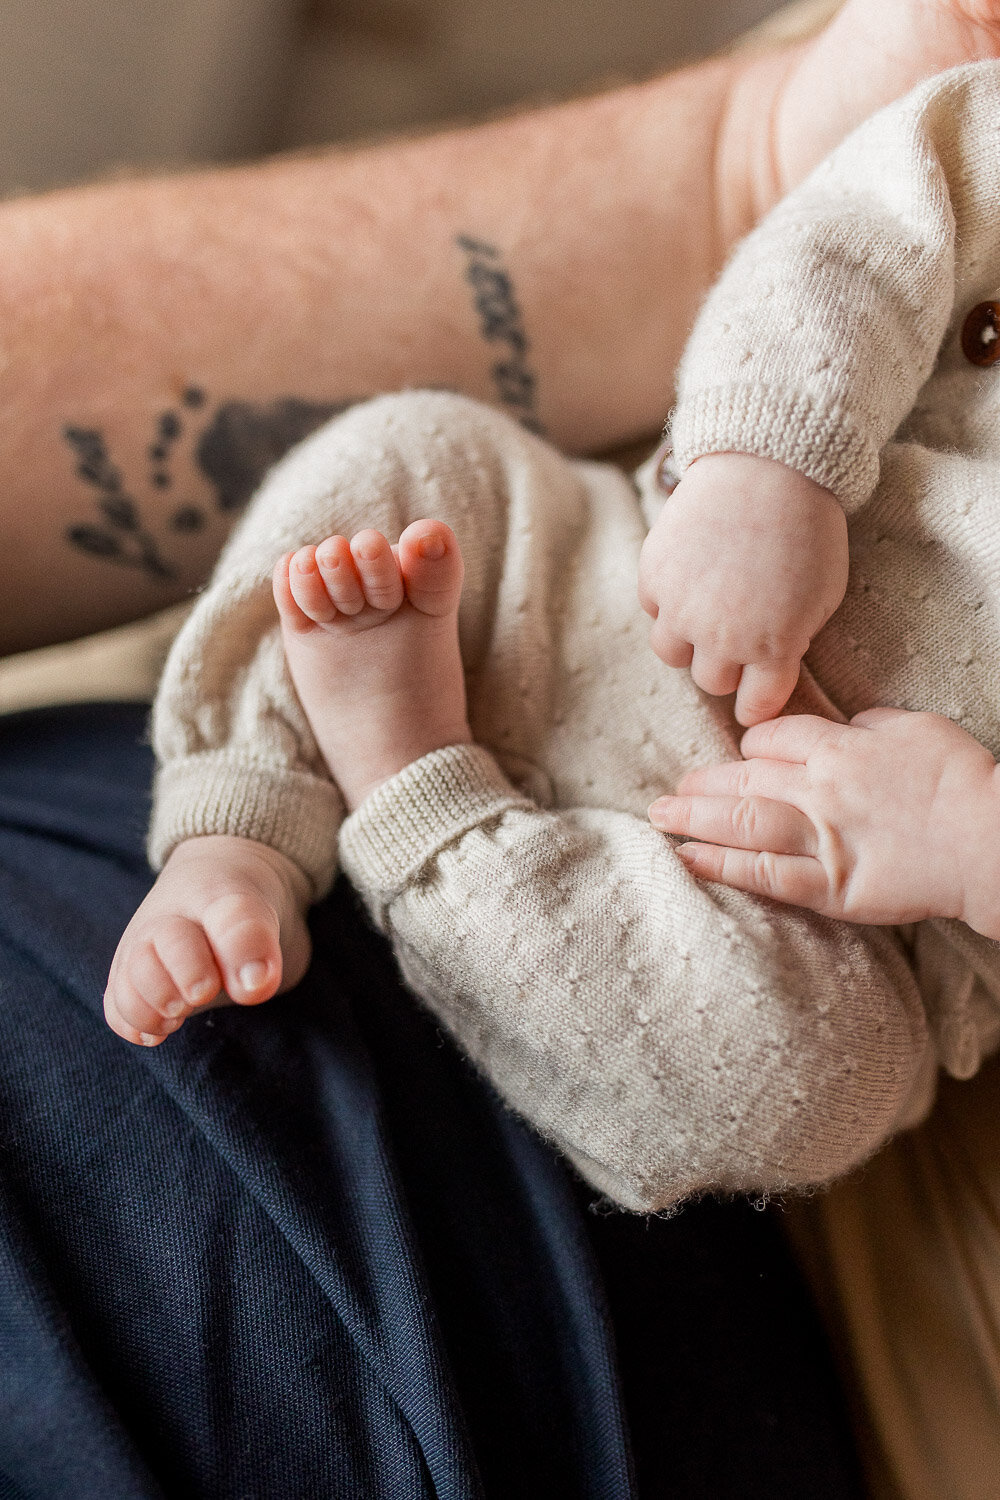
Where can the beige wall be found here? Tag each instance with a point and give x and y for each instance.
(91, 85)
(385, 64)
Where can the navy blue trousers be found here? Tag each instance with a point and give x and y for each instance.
(304, 1251)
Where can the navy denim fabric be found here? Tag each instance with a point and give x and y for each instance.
(304, 1251)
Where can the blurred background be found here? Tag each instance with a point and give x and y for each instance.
(90, 86)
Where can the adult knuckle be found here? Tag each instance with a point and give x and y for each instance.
(744, 774)
(825, 765)
(765, 873)
(746, 819)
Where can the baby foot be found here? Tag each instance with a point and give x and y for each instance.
(371, 638)
(225, 921)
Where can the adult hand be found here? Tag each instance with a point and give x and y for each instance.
(891, 818)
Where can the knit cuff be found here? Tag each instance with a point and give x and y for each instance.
(294, 812)
(411, 817)
(823, 443)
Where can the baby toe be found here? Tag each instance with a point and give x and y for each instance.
(139, 1000)
(378, 571)
(292, 617)
(244, 933)
(431, 563)
(308, 587)
(186, 955)
(340, 576)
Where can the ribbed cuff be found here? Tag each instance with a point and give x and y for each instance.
(294, 812)
(823, 443)
(411, 817)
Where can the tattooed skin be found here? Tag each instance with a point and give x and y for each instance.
(500, 322)
(119, 536)
(234, 450)
(244, 441)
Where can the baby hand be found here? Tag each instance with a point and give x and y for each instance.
(745, 563)
(891, 818)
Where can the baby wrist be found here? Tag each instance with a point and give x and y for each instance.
(224, 792)
(763, 421)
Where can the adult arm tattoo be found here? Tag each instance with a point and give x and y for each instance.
(119, 535)
(244, 441)
(233, 450)
(501, 322)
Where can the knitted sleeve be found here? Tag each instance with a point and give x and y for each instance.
(814, 345)
(671, 1038)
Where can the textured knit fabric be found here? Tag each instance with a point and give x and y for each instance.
(833, 344)
(307, 1252)
(670, 1037)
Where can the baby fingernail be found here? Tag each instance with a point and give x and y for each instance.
(175, 1008)
(204, 990)
(431, 547)
(148, 1040)
(253, 975)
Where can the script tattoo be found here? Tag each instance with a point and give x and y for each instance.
(234, 450)
(500, 322)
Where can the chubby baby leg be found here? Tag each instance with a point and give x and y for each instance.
(226, 918)
(371, 640)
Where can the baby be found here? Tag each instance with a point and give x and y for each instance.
(495, 745)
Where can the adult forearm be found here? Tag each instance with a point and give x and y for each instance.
(163, 341)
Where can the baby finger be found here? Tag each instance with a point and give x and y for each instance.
(764, 691)
(672, 649)
(714, 674)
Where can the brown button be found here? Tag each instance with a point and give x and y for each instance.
(981, 334)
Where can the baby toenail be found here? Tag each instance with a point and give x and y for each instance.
(175, 1008)
(303, 564)
(204, 990)
(149, 1040)
(431, 547)
(253, 975)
